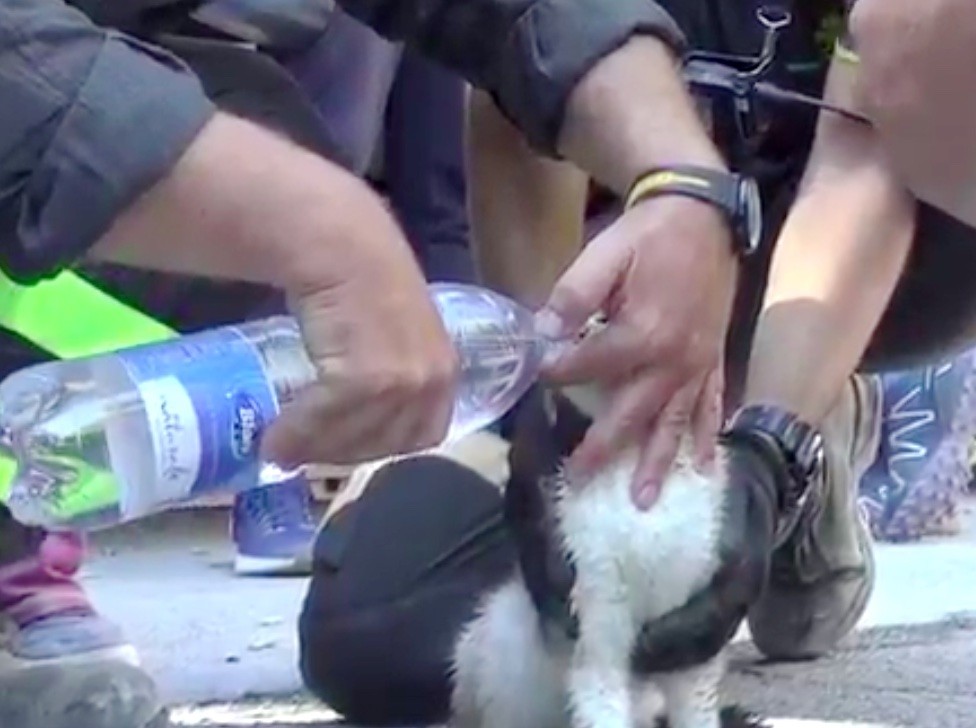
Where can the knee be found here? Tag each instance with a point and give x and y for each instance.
(321, 659)
(364, 666)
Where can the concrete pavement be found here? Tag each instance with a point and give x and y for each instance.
(921, 676)
(211, 637)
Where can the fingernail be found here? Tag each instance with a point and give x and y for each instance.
(647, 495)
(548, 324)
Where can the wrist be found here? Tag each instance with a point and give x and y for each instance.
(735, 197)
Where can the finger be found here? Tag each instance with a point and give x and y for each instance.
(314, 430)
(584, 288)
(612, 353)
(305, 432)
(706, 421)
(657, 456)
(633, 408)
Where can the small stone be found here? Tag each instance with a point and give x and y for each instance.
(258, 644)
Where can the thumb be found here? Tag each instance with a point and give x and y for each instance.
(583, 290)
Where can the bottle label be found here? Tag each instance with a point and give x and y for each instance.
(208, 401)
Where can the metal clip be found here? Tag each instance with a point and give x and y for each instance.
(742, 79)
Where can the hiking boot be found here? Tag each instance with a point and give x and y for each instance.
(922, 468)
(100, 694)
(273, 529)
(823, 574)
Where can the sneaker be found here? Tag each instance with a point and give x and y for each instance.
(273, 529)
(929, 419)
(100, 694)
(73, 637)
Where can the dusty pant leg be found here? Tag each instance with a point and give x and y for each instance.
(822, 577)
(347, 75)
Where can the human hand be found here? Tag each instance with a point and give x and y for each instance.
(664, 276)
(386, 368)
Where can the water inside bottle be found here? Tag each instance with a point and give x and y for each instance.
(500, 353)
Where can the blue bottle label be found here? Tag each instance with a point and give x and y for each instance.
(208, 401)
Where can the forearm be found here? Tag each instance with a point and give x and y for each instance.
(836, 264)
(916, 69)
(273, 215)
(632, 112)
(526, 211)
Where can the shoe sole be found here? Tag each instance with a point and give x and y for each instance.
(269, 566)
(10, 662)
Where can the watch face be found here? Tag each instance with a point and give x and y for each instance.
(752, 210)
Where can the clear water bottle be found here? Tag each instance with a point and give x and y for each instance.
(114, 437)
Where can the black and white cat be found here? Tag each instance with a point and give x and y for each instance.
(630, 568)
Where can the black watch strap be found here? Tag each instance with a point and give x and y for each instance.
(802, 447)
(735, 196)
(709, 185)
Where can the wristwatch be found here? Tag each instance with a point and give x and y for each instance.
(803, 450)
(737, 196)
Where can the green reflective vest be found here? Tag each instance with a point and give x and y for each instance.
(70, 318)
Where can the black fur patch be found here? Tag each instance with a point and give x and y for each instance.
(732, 716)
(545, 429)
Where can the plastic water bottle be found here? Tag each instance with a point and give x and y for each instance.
(115, 437)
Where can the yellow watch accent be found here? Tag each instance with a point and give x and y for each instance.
(652, 181)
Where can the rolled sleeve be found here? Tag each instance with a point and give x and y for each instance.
(551, 48)
(91, 119)
(528, 54)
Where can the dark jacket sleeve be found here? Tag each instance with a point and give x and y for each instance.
(528, 54)
(89, 119)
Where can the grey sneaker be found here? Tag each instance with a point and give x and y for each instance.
(73, 637)
(106, 694)
(821, 578)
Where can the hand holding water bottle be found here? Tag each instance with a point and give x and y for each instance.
(386, 369)
(292, 219)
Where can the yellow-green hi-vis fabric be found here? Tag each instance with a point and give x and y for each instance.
(70, 318)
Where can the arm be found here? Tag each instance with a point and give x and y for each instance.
(108, 146)
(117, 136)
(836, 264)
(918, 88)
